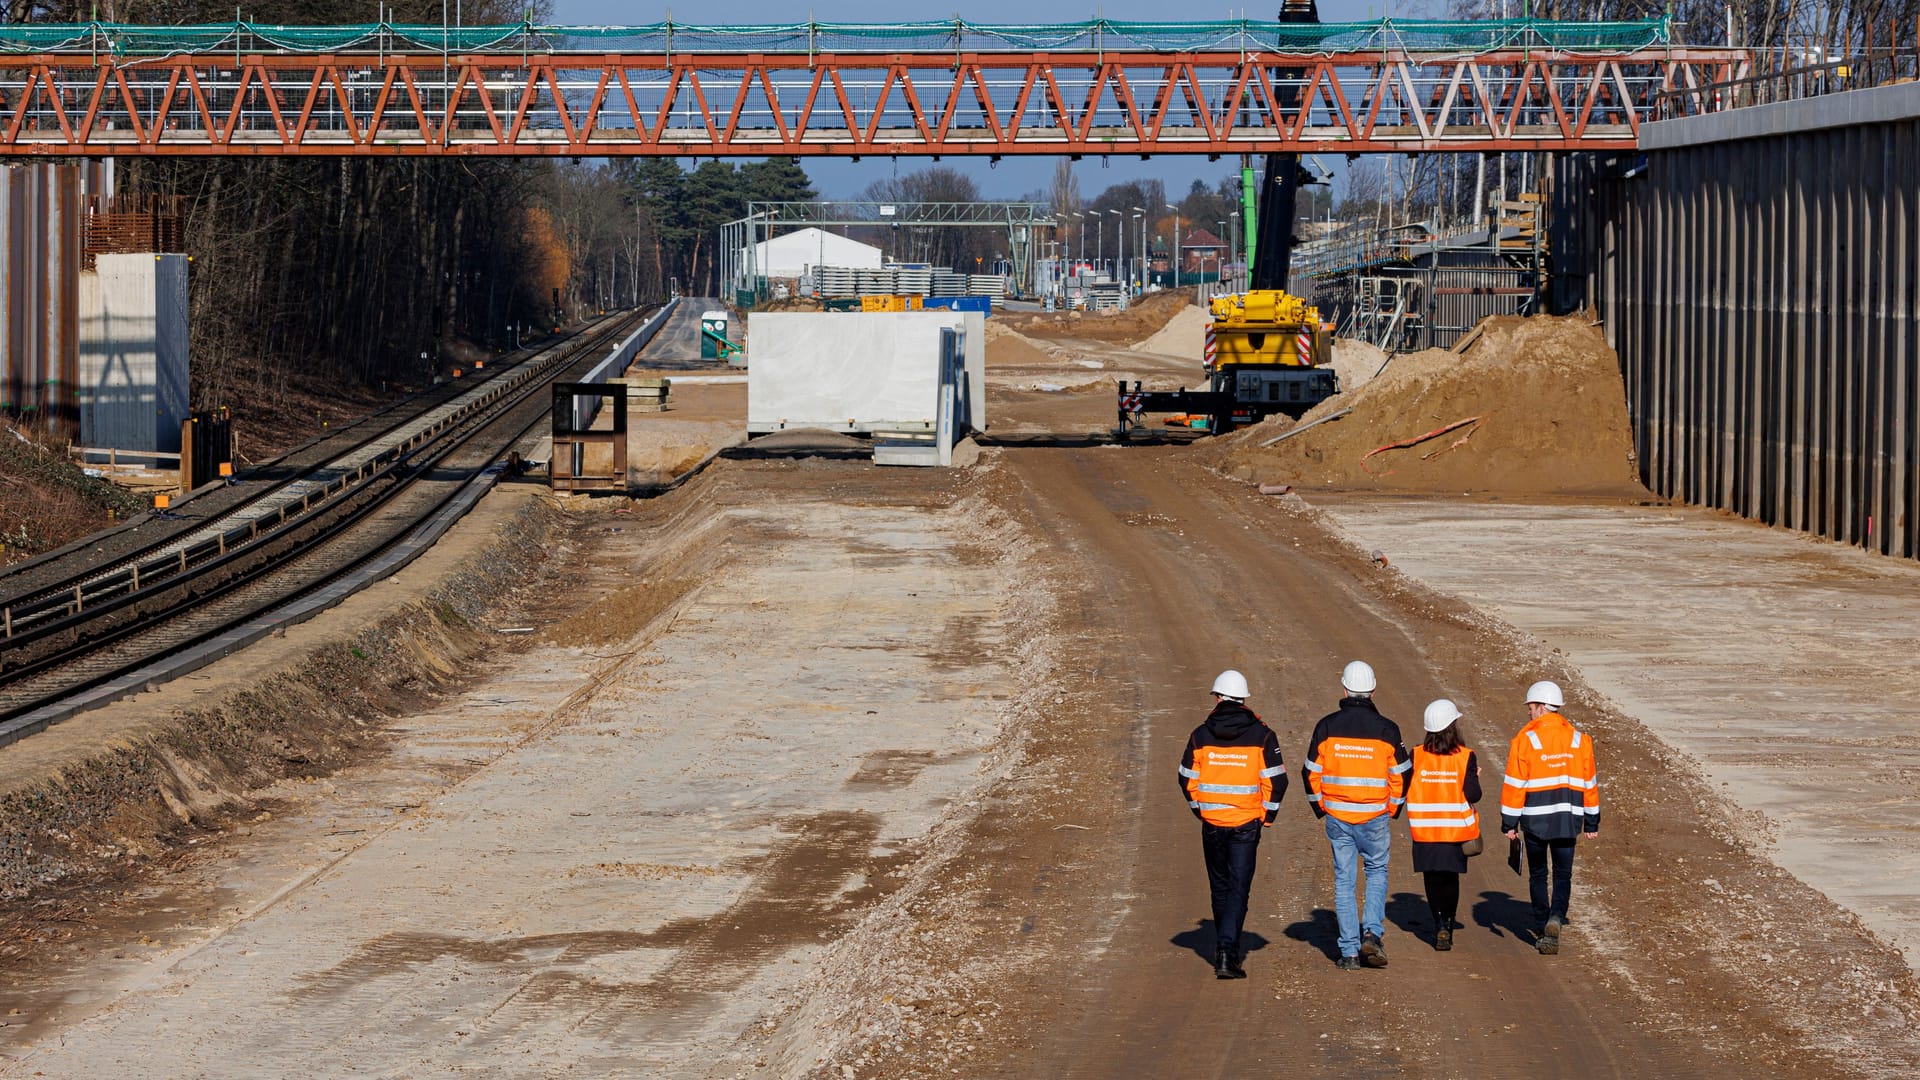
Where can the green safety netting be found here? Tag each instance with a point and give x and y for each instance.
(1100, 35)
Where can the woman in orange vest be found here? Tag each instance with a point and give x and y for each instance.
(1444, 785)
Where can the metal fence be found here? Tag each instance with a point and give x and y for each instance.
(1762, 294)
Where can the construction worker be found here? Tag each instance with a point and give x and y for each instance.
(1356, 777)
(1233, 779)
(1551, 796)
(1441, 791)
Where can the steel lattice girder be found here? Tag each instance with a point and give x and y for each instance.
(905, 104)
(869, 212)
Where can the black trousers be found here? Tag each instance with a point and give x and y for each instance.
(1230, 852)
(1443, 897)
(1539, 854)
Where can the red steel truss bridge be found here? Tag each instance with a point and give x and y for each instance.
(845, 90)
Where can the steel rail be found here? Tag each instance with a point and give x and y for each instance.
(175, 555)
(418, 484)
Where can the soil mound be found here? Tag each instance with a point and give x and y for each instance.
(1143, 318)
(1535, 406)
(1356, 362)
(1007, 347)
(1184, 335)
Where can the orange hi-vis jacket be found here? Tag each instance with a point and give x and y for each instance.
(1231, 771)
(1552, 788)
(1437, 808)
(1356, 767)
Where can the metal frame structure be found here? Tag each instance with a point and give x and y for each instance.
(1018, 218)
(1168, 88)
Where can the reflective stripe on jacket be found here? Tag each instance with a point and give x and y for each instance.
(1231, 772)
(1438, 811)
(1552, 788)
(1356, 766)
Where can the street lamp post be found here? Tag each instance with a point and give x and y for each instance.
(1176, 244)
(1139, 254)
(1119, 242)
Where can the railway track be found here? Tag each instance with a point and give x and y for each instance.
(67, 642)
(23, 580)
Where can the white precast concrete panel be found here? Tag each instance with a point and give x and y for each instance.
(845, 371)
(975, 325)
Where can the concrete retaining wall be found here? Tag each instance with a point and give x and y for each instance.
(1760, 278)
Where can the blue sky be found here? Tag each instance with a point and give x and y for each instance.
(1014, 176)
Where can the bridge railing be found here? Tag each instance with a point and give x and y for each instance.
(1791, 74)
(1097, 35)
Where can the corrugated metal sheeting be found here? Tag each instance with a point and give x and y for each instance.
(133, 352)
(1762, 294)
(39, 311)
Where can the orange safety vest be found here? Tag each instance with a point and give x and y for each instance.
(1230, 785)
(1437, 808)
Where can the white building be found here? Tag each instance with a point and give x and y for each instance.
(795, 254)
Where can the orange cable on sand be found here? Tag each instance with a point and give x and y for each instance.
(1405, 443)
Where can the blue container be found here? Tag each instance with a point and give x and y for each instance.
(981, 304)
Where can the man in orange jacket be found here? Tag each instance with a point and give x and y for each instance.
(1233, 780)
(1551, 796)
(1356, 776)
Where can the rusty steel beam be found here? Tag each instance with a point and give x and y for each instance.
(903, 104)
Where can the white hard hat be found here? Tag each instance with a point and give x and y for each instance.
(1441, 714)
(1231, 684)
(1545, 693)
(1358, 678)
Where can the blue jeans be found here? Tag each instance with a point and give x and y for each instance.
(1368, 843)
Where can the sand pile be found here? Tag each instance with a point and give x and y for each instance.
(1356, 362)
(1184, 335)
(1535, 406)
(1007, 347)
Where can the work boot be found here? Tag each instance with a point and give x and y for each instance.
(1234, 970)
(1443, 938)
(1349, 963)
(1549, 942)
(1222, 965)
(1372, 952)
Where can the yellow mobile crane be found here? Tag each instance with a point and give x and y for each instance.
(1269, 351)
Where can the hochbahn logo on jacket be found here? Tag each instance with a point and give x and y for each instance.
(1552, 789)
(1231, 772)
(1356, 767)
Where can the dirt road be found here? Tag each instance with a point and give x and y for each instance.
(890, 789)
(1098, 938)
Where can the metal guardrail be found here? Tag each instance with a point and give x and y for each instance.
(54, 611)
(1862, 70)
